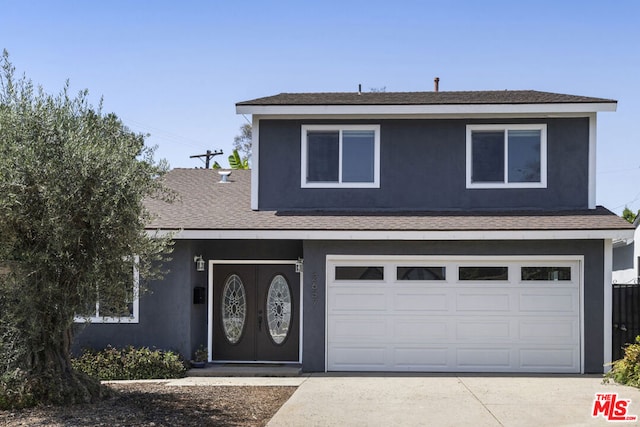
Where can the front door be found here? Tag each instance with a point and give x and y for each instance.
(255, 312)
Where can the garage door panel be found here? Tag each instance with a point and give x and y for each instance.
(549, 302)
(352, 329)
(359, 358)
(483, 302)
(451, 325)
(421, 358)
(422, 329)
(483, 330)
(552, 331)
(421, 301)
(355, 301)
(559, 359)
(484, 358)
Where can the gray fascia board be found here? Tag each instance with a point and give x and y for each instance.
(457, 109)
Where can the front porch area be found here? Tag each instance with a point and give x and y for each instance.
(247, 370)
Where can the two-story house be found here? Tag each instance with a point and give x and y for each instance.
(426, 231)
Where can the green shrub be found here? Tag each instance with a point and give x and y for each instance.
(627, 370)
(14, 391)
(130, 363)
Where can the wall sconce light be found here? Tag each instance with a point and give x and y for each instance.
(199, 262)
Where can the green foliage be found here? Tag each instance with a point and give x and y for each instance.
(73, 186)
(627, 370)
(242, 142)
(629, 215)
(130, 364)
(236, 162)
(14, 391)
(201, 354)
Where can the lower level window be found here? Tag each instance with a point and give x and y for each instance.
(124, 311)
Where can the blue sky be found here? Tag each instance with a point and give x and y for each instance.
(176, 69)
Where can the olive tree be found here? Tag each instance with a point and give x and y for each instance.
(73, 181)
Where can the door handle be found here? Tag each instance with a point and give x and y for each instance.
(259, 320)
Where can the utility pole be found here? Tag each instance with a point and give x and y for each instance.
(208, 156)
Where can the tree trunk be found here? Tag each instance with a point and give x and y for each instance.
(52, 379)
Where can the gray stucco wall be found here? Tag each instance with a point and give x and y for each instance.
(314, 298)
(164, 320)
(423, 167)
(168, 318)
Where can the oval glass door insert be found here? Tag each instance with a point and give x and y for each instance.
(234, 308)
(279, 309)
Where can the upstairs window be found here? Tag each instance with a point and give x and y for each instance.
(507, 156)
(340, 156)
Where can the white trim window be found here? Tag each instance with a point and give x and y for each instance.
(340, 156)
(507, 156)
(127, 312)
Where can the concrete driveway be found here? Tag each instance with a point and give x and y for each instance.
(449, 400)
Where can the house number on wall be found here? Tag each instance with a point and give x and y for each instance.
(314, 288)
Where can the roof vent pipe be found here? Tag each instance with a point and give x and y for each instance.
(360, 89)
(223, 176)
(436, 84)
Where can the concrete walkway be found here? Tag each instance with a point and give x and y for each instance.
(449, 400)
(238, 381)
(433, 400)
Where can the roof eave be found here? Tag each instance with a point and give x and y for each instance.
(551, 108)
(310, 234)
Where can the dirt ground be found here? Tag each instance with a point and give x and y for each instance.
(155, 404)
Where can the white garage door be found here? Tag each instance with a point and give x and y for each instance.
(457, 314)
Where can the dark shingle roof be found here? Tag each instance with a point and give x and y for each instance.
(206, 204)
(424, 98)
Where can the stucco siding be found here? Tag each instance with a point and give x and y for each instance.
(423, 167)
(164, 319)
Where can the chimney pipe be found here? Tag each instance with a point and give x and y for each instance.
(436, 84)
(360, 89)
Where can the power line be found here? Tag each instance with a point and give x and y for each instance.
(164, 134)
(637, 197)
(208, 156)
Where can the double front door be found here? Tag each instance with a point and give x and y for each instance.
(256, 312)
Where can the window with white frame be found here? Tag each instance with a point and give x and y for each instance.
(340, 156)
(507, 156)
(125, 312)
